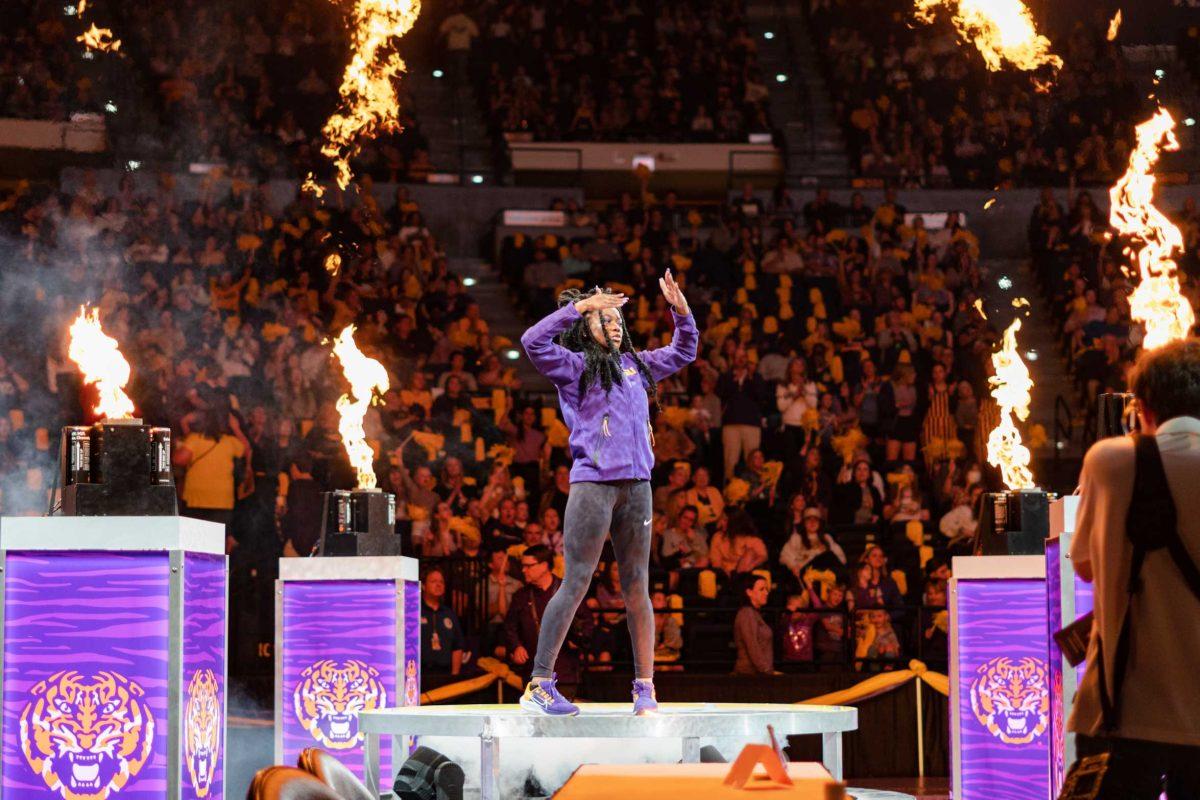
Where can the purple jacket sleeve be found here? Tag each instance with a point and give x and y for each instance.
(666, 361)
(556, 362)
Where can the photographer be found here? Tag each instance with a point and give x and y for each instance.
(1135, 714)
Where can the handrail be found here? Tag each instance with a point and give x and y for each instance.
(1062, 430)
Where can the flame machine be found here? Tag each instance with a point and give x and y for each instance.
(1013, 523)
(361, 522)
(116, 468)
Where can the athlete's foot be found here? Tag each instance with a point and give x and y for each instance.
(644, 701)
(542, 696)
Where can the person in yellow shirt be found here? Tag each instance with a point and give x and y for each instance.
(209, 452)
(707, 499)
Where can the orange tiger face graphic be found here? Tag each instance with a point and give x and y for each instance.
(330, 696)
(1012, 699)
(202, 730)
(87, 737)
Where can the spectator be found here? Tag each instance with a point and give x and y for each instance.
(736, 548)
(209, 453)
(502, 532)
(501, 586)
(873, 587)
(704, 498)
(858, 502)
(301, 524)
(796, 629)
(751, 634)
(810, 546)
(668, 630)
(441, 632)
(524, 619)
(741, 391)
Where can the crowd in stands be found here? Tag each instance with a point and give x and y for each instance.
(617, 70)
(243, 88)
(919, 107)
(1084, 272)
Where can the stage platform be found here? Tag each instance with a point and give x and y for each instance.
(602, 733)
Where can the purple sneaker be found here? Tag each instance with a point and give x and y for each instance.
(542, 696)
(644, 701)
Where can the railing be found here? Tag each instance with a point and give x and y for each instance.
(1064, 426)
(707, 629)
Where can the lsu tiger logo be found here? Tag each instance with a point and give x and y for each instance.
(1012, 699)
(329, 697)
(202, 730)
(87, 737)
(412, 695)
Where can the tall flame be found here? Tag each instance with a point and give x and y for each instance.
(99, 359)
(368, 381)
(368, 91)
(1114, 26)
(1157, 302)
(1011, 387)
(96, 38)
(1002, 30)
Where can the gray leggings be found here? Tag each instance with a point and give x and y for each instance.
(627, 508)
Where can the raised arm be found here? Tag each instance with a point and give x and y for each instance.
(556, 362)
(666, 361)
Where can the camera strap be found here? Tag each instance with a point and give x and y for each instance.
(1151, 523)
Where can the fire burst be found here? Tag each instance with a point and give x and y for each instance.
(1011, 387)
(1002, 30)
(368, 381)
(369, 102)
(1157, 302)
(95, 38)
(99, 359)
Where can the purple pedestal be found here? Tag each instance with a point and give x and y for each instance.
(347, 639)
(114, 658)
(1068, 598)
(999, 679)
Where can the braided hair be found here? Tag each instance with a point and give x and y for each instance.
(602, 362)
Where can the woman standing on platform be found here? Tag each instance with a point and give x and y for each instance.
(604, 387)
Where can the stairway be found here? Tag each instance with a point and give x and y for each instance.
(816, 154)
(1038, 337)
(450, 119)
(497, 310)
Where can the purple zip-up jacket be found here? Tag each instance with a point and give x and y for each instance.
(625, 452)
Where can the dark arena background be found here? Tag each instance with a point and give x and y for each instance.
(264, 272)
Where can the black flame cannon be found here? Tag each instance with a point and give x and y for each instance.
(116, 468)
(361, 522)
(1013, 523)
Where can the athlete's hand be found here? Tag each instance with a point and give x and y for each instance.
(673, 293)
(520, 655)
(601, 301)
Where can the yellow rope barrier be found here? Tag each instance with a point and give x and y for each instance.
(493, 669)
(881, 683)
